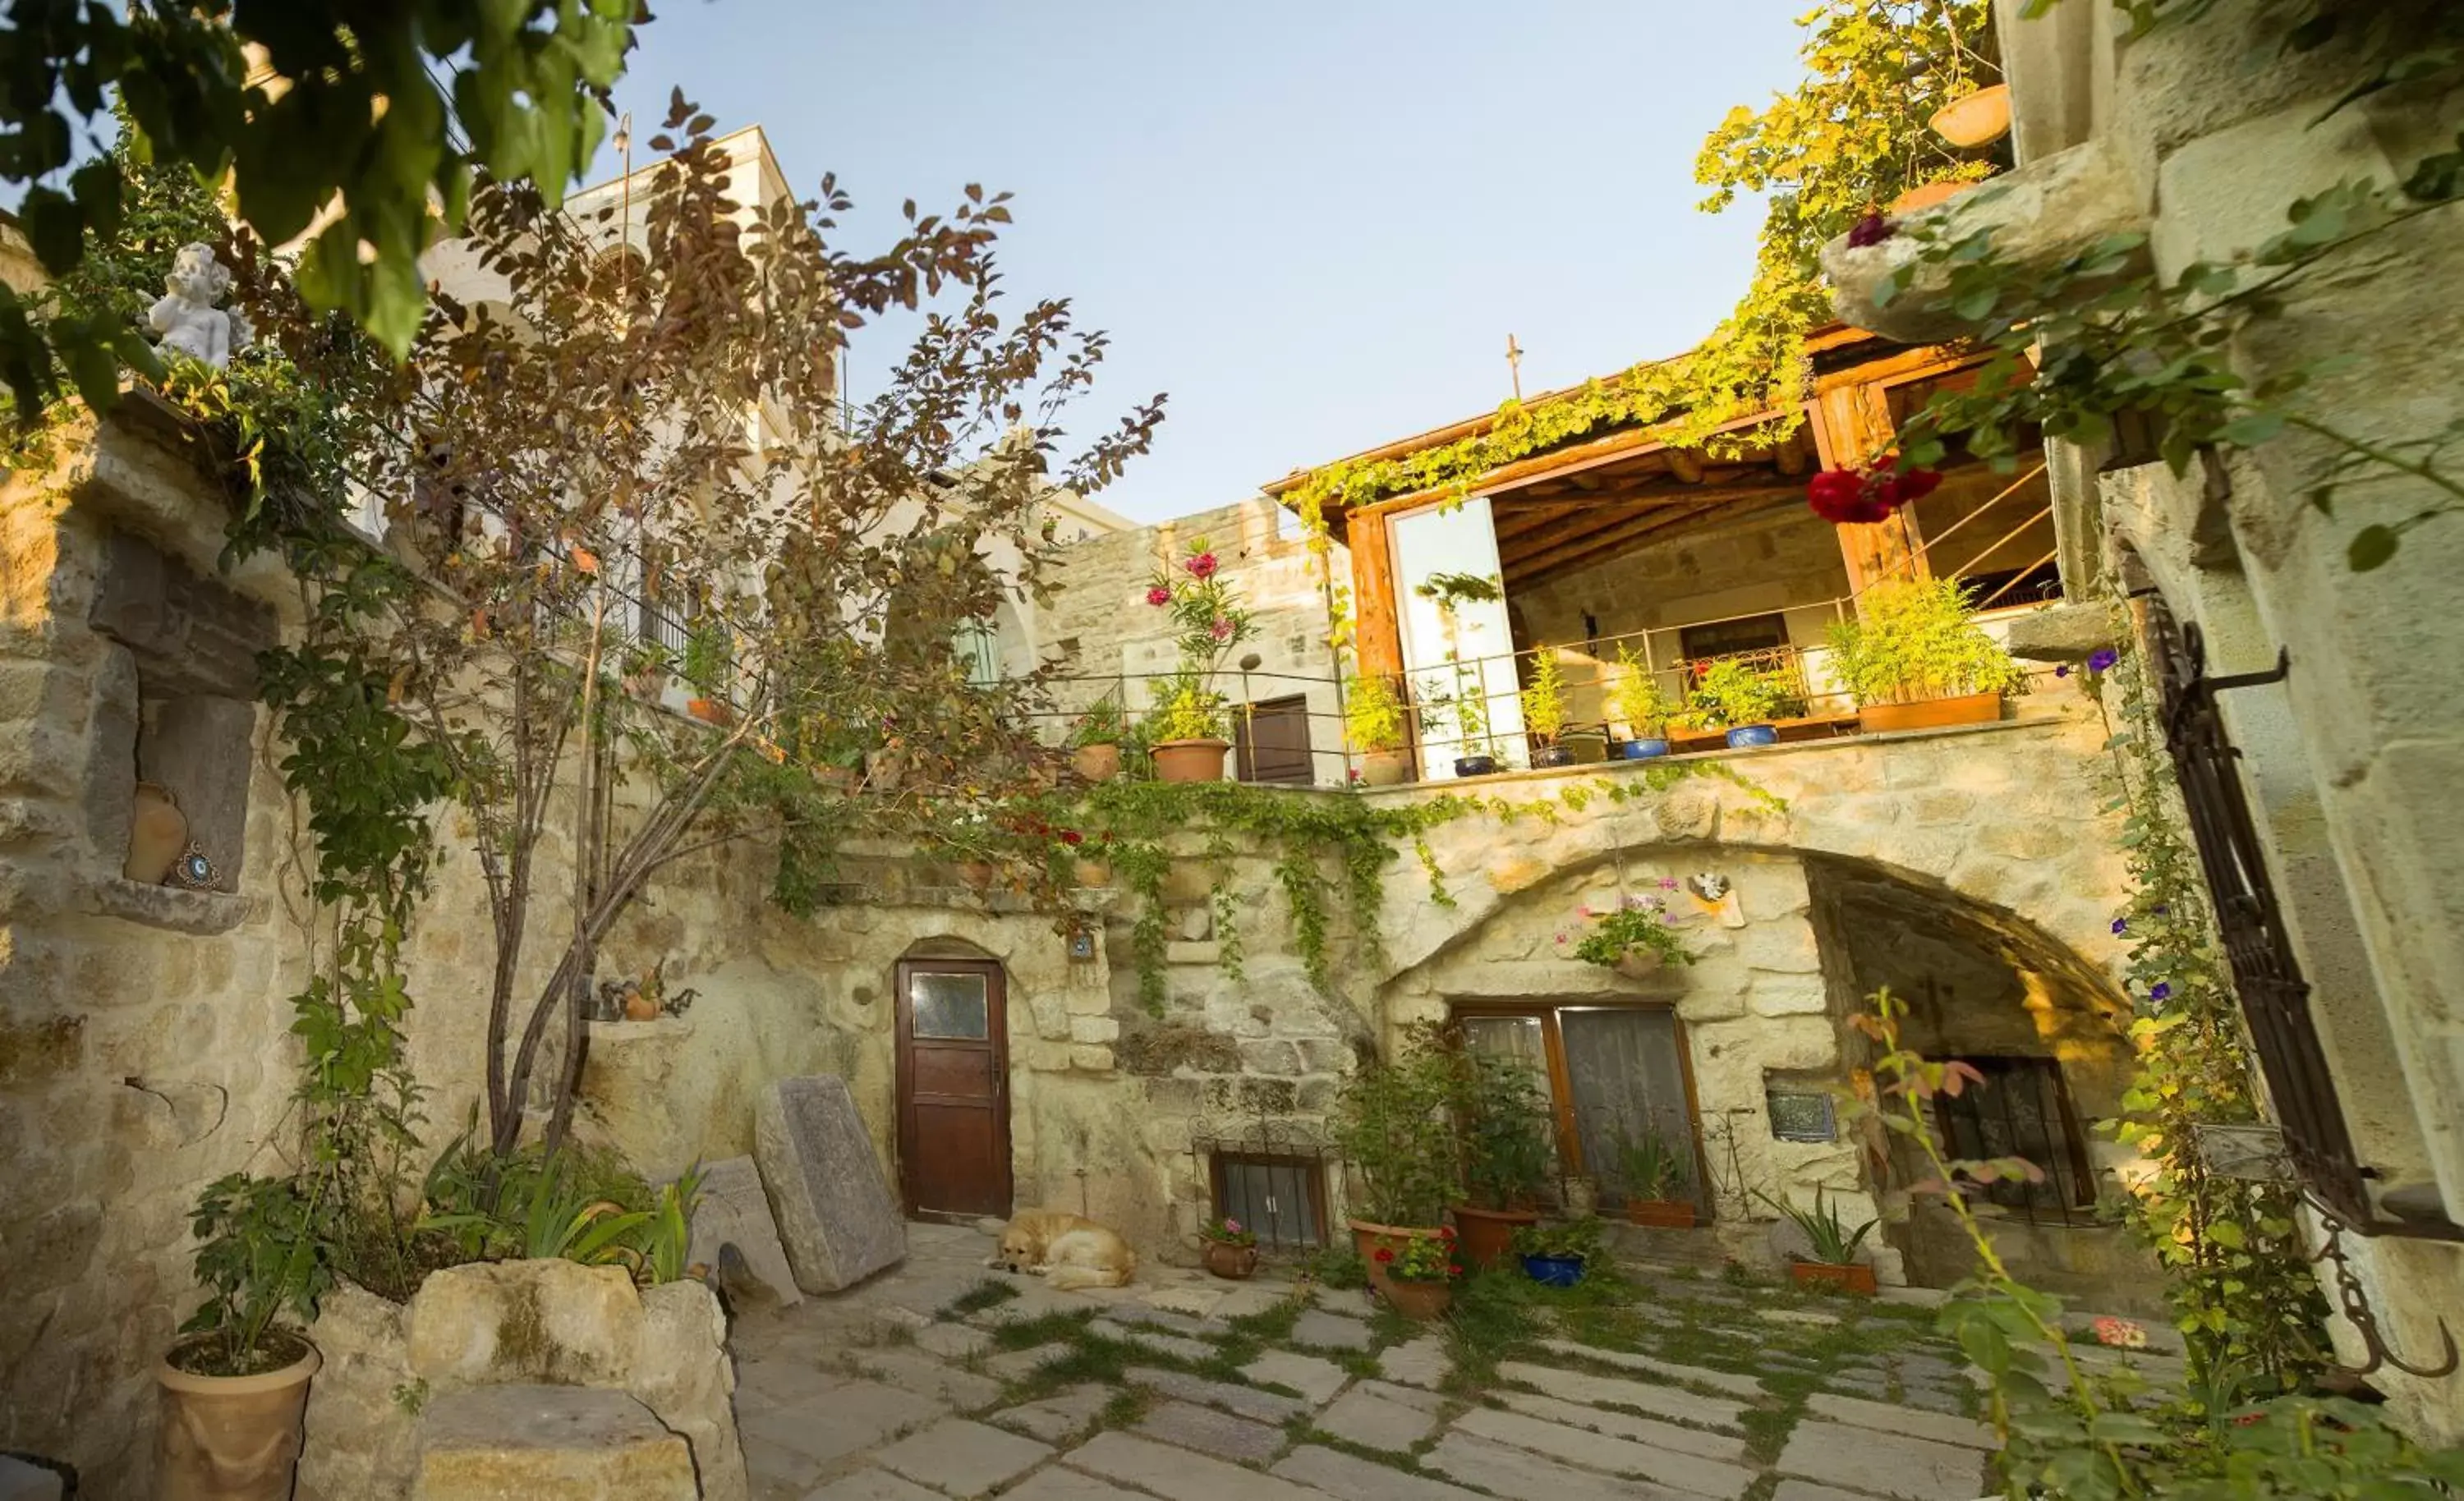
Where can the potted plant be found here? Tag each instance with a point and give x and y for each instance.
(1633, 938)
(1209, 622)
(1391, 1123)
(1229, 1250)
(1655, 1170)
(1544, 709)
(1915, 659)
(1555, 1252)
(707, 662)
(1468, 701)
(1095, 741)
(1420, 1275)
(1374, 720)
(236, 1385)
(1834, 1259)
(1745, 701)
(1645, 710)
(1503, 1122)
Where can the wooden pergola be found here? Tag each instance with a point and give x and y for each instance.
(1586, 501)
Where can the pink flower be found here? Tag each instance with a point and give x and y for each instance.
(2120, 1334)
(1159, 595)
(1221, 630)
(1668, 883)
(1203, 566)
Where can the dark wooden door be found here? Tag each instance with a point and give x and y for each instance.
(952, 1088)
(1271, 738)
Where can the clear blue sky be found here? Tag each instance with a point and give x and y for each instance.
(1313, 224)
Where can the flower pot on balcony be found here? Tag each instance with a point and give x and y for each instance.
(1386, 768)
(230, 1438)
(1230, 1262)
(1661, 1215)
(1644, 750)
(1932, 195)
(1933, 713)
(1484, 1236)
(1745, 737)
(1553, 755)
(1857, 1278)
(1096, 763)
(1475, 765)
(710, 710)
(1975, 120)
(1554, 1271)
(1190, 760)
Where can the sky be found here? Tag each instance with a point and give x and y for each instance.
(1314, 225)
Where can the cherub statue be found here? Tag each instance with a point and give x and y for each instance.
(186, 317)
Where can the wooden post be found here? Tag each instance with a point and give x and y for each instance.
(1377, 633)
(1852, 427)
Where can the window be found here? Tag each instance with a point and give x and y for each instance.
(1279, 1197)
(979, 653)
(2010, 586)
(2022, 1109)
(1733, 637)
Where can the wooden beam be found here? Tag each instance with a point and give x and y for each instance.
(1852, 426)
(1377, 633)
(1624, 541)
(1608, 534)
(1687, 465)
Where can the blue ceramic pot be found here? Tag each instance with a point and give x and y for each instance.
(1644, 750)
(1745, 736)
(1475, 765)
(1554, 1270)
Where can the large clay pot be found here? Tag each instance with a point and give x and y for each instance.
(158, 831)
(1368, 1236)
(1857, 1278)
(1975, 120)
(1484, 1236)
(1661, 1215)
(1421, 1301)
(1232, 1263)
(1386, 768)
(1096, 763)
(1933, 713)
(230, 1438)
(1190, 760)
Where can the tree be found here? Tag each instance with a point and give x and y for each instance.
(373, 116)
(652, 433)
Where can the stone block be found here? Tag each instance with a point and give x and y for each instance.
(960, 1458)
(1058, 1418)
(927, 1376)
(1509, 1471)
(735, 1210)
(1330, 1331)
(1316, 1379)
(1665, 1402)
(1246, 1401)
(360, 1444)
(1882, 1463)
(1789, 995)
(1340, 1474)
(873, 1485)
(854, 1416)
(1090, 1057)
(1417, 1363)
(833, 1208)
(548, 1444)
(1727, 1382)
(21, 1481)
(507, 1322)
(1590, 1450)
(1094, 1028)
(1212, 1432)
(1375, 1415)
(1886, 1418)
(1626, 1425)
(1178, 1475)
(682, 1373)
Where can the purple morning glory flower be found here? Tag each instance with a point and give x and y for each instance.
(2121, 926)
(2160, 991)
(2062, 672)
(2101, 658)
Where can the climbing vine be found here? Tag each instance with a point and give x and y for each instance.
(2243, 1294)
(1853, 135)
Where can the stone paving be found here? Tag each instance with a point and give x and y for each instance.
(1185, 1388)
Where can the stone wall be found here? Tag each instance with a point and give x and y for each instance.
(2214, 129)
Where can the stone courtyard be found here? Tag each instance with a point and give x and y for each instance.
(941, 1379)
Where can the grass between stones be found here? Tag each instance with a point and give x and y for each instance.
(990, 1292)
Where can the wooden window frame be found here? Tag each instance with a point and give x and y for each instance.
(1561, 1085)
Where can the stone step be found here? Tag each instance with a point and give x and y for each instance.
(1178, 1474)
(1600, 1452)
(960, 1458)
(548, 1444)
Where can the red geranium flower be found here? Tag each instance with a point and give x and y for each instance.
(1384, 1254)
(1454, 1271)
(1072, 836)
(1159, 595)
(1445, 1232)
(1203, 566)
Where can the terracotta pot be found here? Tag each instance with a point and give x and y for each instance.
(1190, 760)
(1975, 120)
(1232, 1263)
(1484, 1236)
(230, 1438)
(640, 1008)
(1386, 768)
(1636, 964)
(1664, 1214)
(1857, 1278)
(1916, 200)
(158, 831)
(1096, 763)
(710, 710)
(1421, 1301)
(1933, 713)
(1368, 1236)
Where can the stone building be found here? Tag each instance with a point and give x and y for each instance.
(2311, 706)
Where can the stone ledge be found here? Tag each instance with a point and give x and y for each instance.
(199, 913)
(658, 1029)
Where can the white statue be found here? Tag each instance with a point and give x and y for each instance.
(187, 319)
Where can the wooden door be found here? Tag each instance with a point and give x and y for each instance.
(952, 1088)
(1271, 738)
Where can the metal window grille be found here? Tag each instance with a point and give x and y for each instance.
(1269, 1175)
(2022, 1109)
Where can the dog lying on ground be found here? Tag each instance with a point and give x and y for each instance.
(1068, 1250)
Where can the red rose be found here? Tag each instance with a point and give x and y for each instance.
(1203, 566)
(1384, 1254)
(1837, 497)
(1159, 595)
(1911, 484)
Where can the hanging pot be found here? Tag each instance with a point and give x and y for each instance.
(158, 831)
(1975, 120)
(230, 1438)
